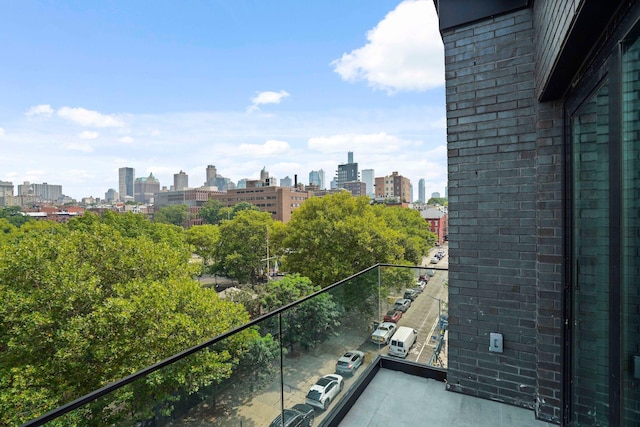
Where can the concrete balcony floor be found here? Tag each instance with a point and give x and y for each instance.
(398, 399)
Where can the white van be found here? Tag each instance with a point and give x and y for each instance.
(402, 341)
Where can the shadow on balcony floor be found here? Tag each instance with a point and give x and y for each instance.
(395, 398)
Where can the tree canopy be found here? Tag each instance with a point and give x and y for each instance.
(84, 305)
(332, 237)
(242, 248)
(172, 214)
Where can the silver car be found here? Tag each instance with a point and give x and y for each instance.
(349, 362)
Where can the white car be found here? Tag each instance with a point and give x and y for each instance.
(383, 334)
(324, 391)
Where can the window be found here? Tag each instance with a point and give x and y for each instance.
(604, 239)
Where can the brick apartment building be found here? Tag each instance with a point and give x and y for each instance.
(542, 129)
(280, 202)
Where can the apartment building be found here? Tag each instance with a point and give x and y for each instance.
(542, 107)
(280, 202)
(393, 186)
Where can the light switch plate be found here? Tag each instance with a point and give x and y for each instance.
(495, 342)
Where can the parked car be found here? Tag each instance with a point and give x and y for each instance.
(421, 285)
(392, 316)
(402, 304)
(349, 362)
(411, 294)
(383, 334)
(300, 415)
(324, 391)
(435, 260)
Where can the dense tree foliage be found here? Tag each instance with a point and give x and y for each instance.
(305, 324)
(13, 215)
(242, 248)
(172, 214)
(330, 238)
(413, 235)
(442, 201)
(204, 239)
(214, 211)
(83, 305)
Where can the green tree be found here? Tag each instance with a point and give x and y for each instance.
(204, 239)
(307, 323)
(210, 211)
(442, 201)
(172, 214)
(242, 248)
(84, 306)
(330, 238)
(413, 232)
(14, 215)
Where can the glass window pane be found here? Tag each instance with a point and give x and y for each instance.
(630, 231)
(590, 364)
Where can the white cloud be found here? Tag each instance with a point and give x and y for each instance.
(88, 135)
(40, 110)
(73, 146)
(370, 143)
(267, 97)
(126, 139)
(2, 132)
(404, 52)
(269, 148)
(86, 117)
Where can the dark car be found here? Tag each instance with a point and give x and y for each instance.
(301, 415)
(392, 316)
(411, 294)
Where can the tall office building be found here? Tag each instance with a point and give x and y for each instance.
(180, 181)
(286, 182)
(347, 172)
(145, 188)
(46, 192)
(6, 193)
(421, 191)
(368, 177)
(111, 195)
(126, 177)
(211, 175)
(317, 178)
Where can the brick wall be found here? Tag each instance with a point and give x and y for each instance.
(505, 217)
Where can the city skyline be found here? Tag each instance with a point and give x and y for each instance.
(94, 88)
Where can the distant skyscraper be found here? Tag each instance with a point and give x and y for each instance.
(211, 175)
(317, 178)
(286, 182)
(145, 188)
(421, 191)
(6, 193)
(411, 199)
(111, 195)
(435, 195)
(180, 181)
(347, 172)
(368, 177)
(46, 192)
(126, 177)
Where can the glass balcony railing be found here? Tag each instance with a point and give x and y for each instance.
(297, 362)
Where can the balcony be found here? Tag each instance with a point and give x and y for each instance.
(254, 374)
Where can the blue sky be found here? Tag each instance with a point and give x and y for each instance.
(164, 86)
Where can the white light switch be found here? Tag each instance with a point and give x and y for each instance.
(495, 342)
